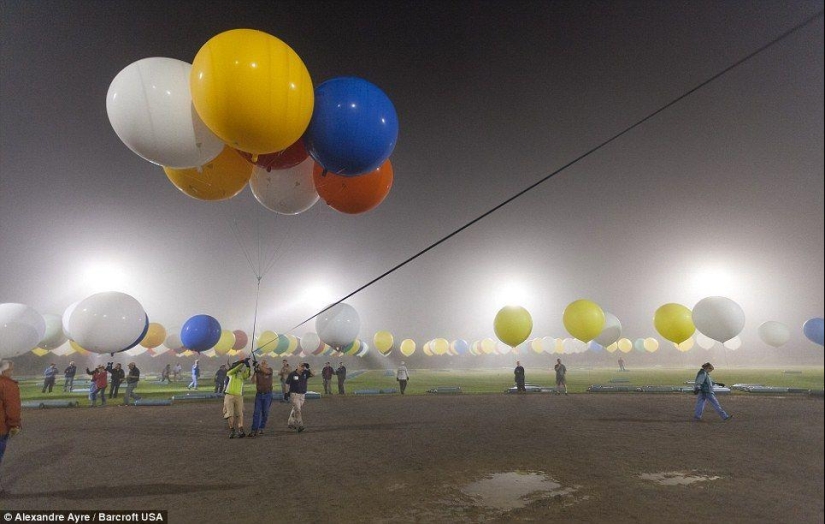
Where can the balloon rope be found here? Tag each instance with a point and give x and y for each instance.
(580, 157)
(255, 321)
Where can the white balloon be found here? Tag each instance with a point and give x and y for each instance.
(21, 328)
(173, 341)
(338, 325)
(365, 348)
(774, 333)
(720, 318)
(150, 108)
(612, 330)
(703, 341)
(54, 336)
(65, 319)
(733, 344)
(108, 322)
(548, 345)
(310, 342)
(285, 191)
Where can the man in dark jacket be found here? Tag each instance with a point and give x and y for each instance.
(341, 373)
(519, 374)
(296, 390)
(117, 377)
(132, 380)
(220, 379)
(68, 375)
(327, 374)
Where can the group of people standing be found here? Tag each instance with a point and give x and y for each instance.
(561, 377)
(327, 373)
(100, 380)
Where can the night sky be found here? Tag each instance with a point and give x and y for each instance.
(720, 194)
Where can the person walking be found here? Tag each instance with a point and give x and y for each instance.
(621, 364)
(176, 372)
(68, 376)
(402, 376)
(283, 373)
(341, 373)
(519, 376)
(132, 380)
(327, 374)
(262, 377)
(50, 375)
(118, 375)
(10, 408)
(233, 399)
(220, 379)
(97, 385)
(296, 392)
(561, 377)
(166, 374)
(196, 373)
(703, 388)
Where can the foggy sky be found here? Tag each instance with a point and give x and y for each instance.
(722, 194)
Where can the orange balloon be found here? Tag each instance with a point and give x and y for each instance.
(220, 179)
(353, 194)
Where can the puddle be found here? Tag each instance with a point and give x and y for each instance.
(507, 491)
(675, 478)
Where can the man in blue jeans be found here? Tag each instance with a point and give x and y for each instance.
(703, 387)
(263, 397)
(132, 379)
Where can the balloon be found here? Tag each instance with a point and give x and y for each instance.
(351, 348)
(774, 333)
(674, 322)
(289, 157)
(150, 109)
(407, 347)
(108, 322)
(155, 336)
(67, 313)
(311, 343)
(225, 342)
(200, 333)
(427, 349)
(285, 191)
(686, 345)
(267, 341)
(733, 344)
(460, 346)
(365, 348)
(719, 318)
(40, 351)
(383, 342)
(78, 348)
(338, 326)
(241, 339)
(703, 341)
(440, 346)
(611, 332)
(639, 345)
(282, 345)
(625, 345)
(219, 179)
(54, 336)
(813, 330)
(537, 345)
(354, 195)
(21, 328)
(354, 126)
(512, 325)
(252, 90)
(651, 344)
(173, 341)
(584, 319)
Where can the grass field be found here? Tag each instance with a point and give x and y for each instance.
(487, 380)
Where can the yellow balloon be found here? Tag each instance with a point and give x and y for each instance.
(75, 346)
(625, 345)
(440, 346)
(154, 337)
(252, 90)
(407, 347)
(383, 342)
(674, 322)
(687, 345)
(220, 179)
(612, 347)
(651, 344)
(583, 319)
(293, 344)
(537, 345)
(426, 349)
(513, 324)
(40, 351)
(224, 343)
(266, 342)
(488, 346)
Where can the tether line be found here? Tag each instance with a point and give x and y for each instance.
(577, 159)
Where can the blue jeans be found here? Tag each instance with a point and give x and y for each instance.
(3, 440)
(130, 392)
(711, 398)
(95, 392)
(262, 403)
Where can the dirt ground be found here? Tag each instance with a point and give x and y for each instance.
(394, 459)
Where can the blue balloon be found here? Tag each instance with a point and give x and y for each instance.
(200, 333)
(813, 329)
(354, 127)
(595, 347)
(461, 346)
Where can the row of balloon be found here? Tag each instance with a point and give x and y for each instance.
(245, 112)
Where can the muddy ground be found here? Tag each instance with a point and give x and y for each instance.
(394, 459)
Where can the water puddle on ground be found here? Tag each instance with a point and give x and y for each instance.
(675, 478)
(507, 491)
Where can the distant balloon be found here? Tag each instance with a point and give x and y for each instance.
(339, 325)
(200, 333)
(687, 345)
(440, 346)
(513, 324)
(774, 333)
(813, 330)
(674, 322)
(54, 336)
(733, 344)
(155, 335)
(267, 341)
(21, 328)
(241, 339)
(584, 319)
(311, 344)
(460, 346)
(383, 342)
(719, 318)
(625, 345)
(108, 322)
(611, 332)
(407, 347)
(173, 341)
(225, 342)
(651, 344)
(703, 341)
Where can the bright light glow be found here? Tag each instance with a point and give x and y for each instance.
(317, 296)
(713, 281)
(104, 276)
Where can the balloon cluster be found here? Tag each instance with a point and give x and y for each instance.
(245, 113)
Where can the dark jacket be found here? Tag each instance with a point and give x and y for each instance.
(117, 374)
(298, 381)
(134, 375)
